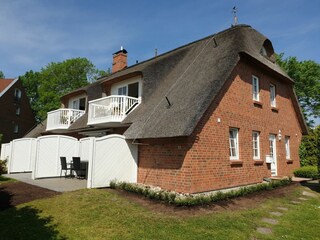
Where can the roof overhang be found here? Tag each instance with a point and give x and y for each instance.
(250, 58)
(72, 94)
(118, 78)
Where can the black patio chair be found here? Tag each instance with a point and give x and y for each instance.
(76, 166)
(64, 166)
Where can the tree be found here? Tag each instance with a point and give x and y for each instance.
(309, 150)
(31, 82)
(1, 75)
(46, 87)
(306, 75)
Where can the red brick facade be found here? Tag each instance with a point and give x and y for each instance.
(201, 162)
(9, 116)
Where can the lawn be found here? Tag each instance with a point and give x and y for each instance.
(6, 180)
(105, 214)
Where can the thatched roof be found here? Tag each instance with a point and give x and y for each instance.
(188, 79)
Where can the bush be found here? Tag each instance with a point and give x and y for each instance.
(307, 172)
(3, 166)
(194, 199)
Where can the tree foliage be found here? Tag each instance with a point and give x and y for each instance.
(45, 88)
(2, 74)
(306, 75)
(309, 150)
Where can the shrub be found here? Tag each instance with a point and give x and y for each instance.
(307, 172)
(3, 166)
(194, 199)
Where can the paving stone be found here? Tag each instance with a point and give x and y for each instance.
(295, 202)
(283, 208)
(276, 213)
(303, 199)
(264, 230)
(309, 194)
(270, 221)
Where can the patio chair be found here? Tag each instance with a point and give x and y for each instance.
(64, 166)
(76, 166)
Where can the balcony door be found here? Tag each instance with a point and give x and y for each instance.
(79, 104)
(133, 90)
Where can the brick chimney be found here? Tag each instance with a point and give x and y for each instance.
(119, 60)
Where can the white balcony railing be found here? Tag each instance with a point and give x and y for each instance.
(113, 108)
(62, 118)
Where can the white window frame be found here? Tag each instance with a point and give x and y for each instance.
(126, 83)
(273, 95)
(126, 90)
(18, 111)
(256, 144)
(235, 140)
(16, 128)
(287, 145)
(17, 93)
(255, 88)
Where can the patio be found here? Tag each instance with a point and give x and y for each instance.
(56, 184)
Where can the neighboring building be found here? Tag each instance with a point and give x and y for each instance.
(16, 116)
(212, 114)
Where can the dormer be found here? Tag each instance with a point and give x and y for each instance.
(267, 51)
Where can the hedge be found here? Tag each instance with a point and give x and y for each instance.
(307, 172)
(194, 199)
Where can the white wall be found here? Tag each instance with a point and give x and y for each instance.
(114, 158)
(23, 152)
(49, 150)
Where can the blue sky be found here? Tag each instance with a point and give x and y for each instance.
(34, 33)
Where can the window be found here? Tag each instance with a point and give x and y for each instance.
(256, 145)
(18, 111)
(16, 128)
(272, 95)
(272, 145)
(122, 91)
(255, 88)
(263, 51)
(287, 143)
(17, 94)
(79, 104)
(233, 143)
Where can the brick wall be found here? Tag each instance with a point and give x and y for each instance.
(201, 162)
(8, 117)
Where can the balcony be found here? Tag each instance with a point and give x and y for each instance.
(62, 118)
(111, 109)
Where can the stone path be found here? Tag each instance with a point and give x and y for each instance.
(281, 210)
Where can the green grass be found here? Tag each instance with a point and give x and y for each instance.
(5, 179)
(101, 214)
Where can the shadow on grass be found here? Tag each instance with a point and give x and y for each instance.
(312, 185)
(24, 223)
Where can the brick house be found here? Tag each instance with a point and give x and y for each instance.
(16, 116)
(212, 114)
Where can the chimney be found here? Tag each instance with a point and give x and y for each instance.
(119, 60)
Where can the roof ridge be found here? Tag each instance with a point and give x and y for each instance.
(180, 47)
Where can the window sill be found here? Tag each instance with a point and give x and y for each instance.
(258, 162)
(236, 162)
(289, 161)
(274, 109)
(257, 104)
